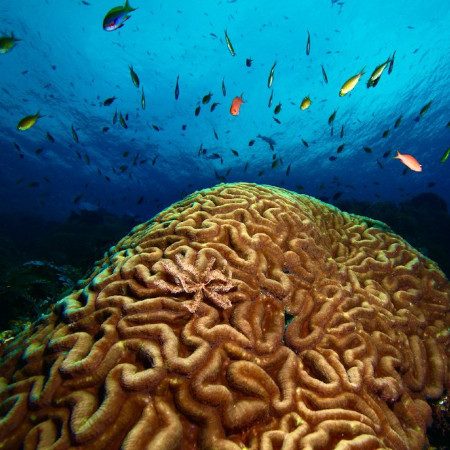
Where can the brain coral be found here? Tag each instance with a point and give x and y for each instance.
(244, 316)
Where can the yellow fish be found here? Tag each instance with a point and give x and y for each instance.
(350, 84)
(306, 103)
(28, 121)
(7, 43)
(376, 74)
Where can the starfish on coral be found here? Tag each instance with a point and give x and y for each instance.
(206, 283)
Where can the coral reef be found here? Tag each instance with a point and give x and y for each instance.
(244, 316)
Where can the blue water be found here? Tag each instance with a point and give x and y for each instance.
(66, 65)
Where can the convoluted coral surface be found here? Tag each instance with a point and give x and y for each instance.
(244, 316)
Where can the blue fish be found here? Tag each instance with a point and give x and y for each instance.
(116, 17)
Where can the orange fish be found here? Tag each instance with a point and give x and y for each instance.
(409, 161)
(236, 105)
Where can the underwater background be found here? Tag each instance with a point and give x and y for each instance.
(135, 118)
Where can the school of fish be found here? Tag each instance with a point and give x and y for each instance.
(115, 19)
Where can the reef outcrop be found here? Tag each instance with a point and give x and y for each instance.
(243, 316)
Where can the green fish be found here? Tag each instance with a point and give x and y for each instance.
(143, 99)
(28, 121)
(134, 76)
(229, 44)
(116, 17)
(122, 121)
(74, 135)
(7, 43)
(445, 156)
(271, 75)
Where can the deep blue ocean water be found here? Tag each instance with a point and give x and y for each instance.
(65, 65)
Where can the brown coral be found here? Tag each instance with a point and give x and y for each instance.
(244, 316)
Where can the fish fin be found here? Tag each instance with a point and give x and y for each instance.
(128, 7)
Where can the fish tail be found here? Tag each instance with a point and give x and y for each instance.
(398, 155)
(363, 71)
(128, 7)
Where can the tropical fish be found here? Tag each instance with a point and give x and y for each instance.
(206, 98)
(224, 89)
(385, 134)
(305, 143)
(423, 110)
(236, 105)
(108, 101)
(398, 122)
(50, 138)
(215, 134)
(122, 121)
(251, 143)
(376, 74)
(269, 140)
(270, 99)
(116, 17)
(235, 153)
(248, 62)
(445, 156)
(213, 106)
(74, 134)
(277, 120)
(229, 44)
(332, 117)
(143, 99)
(288, 170)
(332, 158)
(386, 153)
(306, 103)
(177, 88)
(308, 44)
(409, 161)
(391, 63)
(340, 148)
(28, 121)
(197, 110)
(134, 76)
(324, 74)
(350, 84)
(342, 132)
(215, 156)
(277, 108)
(367, 149)
(114, 119)
(7, 43)
(271, 74)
